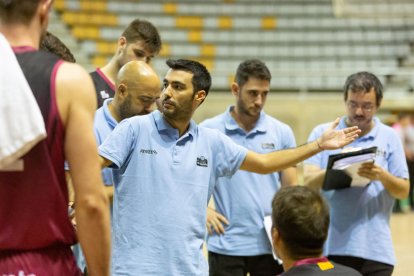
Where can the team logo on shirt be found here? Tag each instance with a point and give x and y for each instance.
(202, 161)
(381, 152)
(148, 151)
(104, 94)
(268, 146)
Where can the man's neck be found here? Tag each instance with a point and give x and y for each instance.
(113, 111)
(246, 122)
(288, 262)
(21, 35)
(110, 70)
(181, 125)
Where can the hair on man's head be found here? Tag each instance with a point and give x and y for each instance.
(363, 82)
(142, 30)
(252, 68)
(21, 11)
(301, 216)
(201, 77)
(52, 44)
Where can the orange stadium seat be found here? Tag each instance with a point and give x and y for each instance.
(289, 36)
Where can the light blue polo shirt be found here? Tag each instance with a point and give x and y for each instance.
(162, 186)
(360, 216)
(245, 198)
(103, 125)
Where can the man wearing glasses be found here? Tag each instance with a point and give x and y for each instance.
(359, 234)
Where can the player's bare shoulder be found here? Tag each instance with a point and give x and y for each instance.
(74, 86)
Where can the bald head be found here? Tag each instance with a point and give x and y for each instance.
(136, 72)
(137, 88)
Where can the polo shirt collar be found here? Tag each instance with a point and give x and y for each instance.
(164, 127)
(231, 125)
(108, 116)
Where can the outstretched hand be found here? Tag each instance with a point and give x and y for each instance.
(336, 138)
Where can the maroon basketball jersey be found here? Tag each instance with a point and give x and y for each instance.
(34, 199)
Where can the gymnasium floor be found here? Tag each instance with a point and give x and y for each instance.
(402, 227)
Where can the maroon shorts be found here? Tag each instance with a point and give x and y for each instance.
(48, 261)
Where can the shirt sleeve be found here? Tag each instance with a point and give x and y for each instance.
(397, 165)
(119, 145)
(229, 155)
(288, 138)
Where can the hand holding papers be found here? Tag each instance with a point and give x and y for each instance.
(342, 169)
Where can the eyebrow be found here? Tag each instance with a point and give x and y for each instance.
(174, 82)
(351, 101)
(148, 97)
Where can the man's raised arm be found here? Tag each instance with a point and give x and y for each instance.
(280, 160)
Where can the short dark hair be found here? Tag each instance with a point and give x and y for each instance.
(301, 216)
(252, 68)
(142, 30)
(22, 11)
(52, 44)
(201, 77)
(363, 82)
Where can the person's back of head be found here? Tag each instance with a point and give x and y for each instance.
(22, 11)
(300, 217)
(51, 43)
(252, 68)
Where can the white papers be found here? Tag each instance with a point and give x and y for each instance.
(351, 166)
(268, 226)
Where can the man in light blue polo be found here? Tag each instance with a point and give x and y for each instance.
(359, 234)
(137, 88)
(238, 243)
(166, 169)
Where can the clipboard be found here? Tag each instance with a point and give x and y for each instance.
(342, 169)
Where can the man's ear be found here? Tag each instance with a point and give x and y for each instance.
(235, 89)
(200, 96)
(379, 103)
(122, 42)
(122, 90)
(44, 9)
(275, 235)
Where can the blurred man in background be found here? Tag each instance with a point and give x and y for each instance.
(139, 41)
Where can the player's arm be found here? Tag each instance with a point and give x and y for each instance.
(215, 221)
(110, 192)
(103, 162)
(77, 103)
(396, 186)
(280, 160)
(289, 177)
(313, 176)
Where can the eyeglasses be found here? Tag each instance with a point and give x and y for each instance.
(367, 107)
